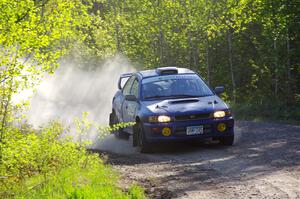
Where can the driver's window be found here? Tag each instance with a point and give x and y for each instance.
(127, 87)
(135, 88)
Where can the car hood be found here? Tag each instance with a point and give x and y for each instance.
(184, 106)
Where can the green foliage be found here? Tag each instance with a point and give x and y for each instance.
(274, 111)
(250, 46)
(83, 125)
(33, 36)
(104, 131)
(95, 180)
(37, 32)
(48, 162)
(27, 153)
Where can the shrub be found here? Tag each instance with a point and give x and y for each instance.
(47, 162)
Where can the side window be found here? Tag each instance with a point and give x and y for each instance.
(127, 87)
(135, 88)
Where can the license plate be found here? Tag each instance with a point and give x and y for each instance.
(194, 130)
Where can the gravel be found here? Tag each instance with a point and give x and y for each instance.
(263, 163)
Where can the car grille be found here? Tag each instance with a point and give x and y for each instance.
(192, 117)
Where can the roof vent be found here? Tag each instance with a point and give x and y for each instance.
(167, 71)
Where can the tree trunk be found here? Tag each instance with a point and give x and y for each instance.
(117, 27)
(195, 59)
(288, 64)
(230, 59)
(160, 38)
(276, 67)
(161, 44)
(207, 61)
(4, 112)
(189, 34)
(190, 50)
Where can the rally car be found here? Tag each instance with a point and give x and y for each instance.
(170, 104)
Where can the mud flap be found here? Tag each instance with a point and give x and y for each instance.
(111, 119)
(135, 137)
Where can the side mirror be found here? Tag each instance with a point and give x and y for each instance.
(130, 98)
(219, 89)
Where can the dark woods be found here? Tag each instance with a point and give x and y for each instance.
(252, 47)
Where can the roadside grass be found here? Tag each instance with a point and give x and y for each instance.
(97, 180)
(48, 163)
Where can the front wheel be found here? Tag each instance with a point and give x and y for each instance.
(139, 139)
(227, 141)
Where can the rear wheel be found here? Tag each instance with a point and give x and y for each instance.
(119, 133)
(139, 139)
(227, 141)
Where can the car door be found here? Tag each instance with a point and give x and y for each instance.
(130, 107)
(119, 101)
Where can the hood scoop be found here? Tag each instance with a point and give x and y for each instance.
(183, 101)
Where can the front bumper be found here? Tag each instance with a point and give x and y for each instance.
(153, 131)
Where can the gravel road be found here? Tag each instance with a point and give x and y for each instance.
(263, 163)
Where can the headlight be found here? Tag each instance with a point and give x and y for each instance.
(161, 118)
(219, 114)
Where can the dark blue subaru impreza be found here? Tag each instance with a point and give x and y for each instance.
(170, 104)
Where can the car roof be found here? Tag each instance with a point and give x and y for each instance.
(155, 72)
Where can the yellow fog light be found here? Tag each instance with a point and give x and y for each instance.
(166, 131)
(221, 127)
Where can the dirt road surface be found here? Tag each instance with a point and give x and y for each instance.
(263, 163)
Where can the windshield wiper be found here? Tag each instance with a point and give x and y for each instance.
(155, 96)
(184, 96)
(174, 96)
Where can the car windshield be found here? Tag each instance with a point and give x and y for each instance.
(174, 86)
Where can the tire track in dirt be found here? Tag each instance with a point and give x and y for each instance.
(264, 163)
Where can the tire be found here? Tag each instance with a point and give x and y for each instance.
(120, 134)
(227, 141)
(139, 139)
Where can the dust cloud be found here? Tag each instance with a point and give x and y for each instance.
(111, 144)
(73, 90)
